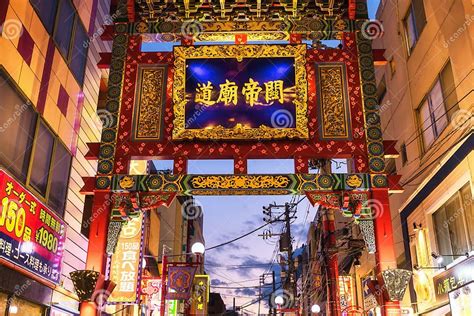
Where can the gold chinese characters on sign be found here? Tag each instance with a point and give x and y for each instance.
(253, 93)
(229, 92)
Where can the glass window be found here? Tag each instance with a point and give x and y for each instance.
(415, 22)
(381, 90)
(451, 222)
(79, 52)
(410, 30)
(449, 92)
(59, 178)
(19, 306)
(46, 10)
(433, 117)
(3, 302)
(468, 205)
(17, 128)
(455, 224)
(86, 215)
(426, 124)
(418, 10)
(64, 26)
(403, 154)
(43, 150)
(437, 108)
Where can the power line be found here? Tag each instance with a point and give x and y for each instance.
(250, 232)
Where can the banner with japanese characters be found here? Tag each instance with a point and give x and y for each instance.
(126, 262)
(31, 235)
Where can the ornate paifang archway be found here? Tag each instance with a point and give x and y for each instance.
(335, 115)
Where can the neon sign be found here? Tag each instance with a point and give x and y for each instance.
(31, 235)
(126, 262)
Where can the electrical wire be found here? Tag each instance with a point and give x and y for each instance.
(240, 237)
(252, 231)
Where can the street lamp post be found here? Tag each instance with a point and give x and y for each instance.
(315, 309)
(197, 249)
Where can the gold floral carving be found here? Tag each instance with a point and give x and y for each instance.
(149, 103)
(239, 52)
(333, 101)
(242, 192)
(240, 182)
(251, 36)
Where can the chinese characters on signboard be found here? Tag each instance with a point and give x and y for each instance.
(453, 278)
(200, 296)
(226, 92)
(31, 235)
(125, 268)
(346, 291)
(246, 92)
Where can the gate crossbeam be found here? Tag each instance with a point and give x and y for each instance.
(237, 184)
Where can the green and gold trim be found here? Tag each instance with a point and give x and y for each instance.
(274, 184)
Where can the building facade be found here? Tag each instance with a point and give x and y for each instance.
(427, 105)
(49, 86)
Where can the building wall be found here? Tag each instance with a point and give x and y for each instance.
(409, 76)
(447, 35)
(68, 107)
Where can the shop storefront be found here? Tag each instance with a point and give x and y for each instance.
(31, 246)
(455, 287)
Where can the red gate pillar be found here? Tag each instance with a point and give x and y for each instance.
(332, 267)
(96, 251)
(385, 257)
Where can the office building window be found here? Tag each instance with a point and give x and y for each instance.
(46, 10)
(451, 222)
(43, 167)
(86, 215)
(64, 27)
(435, 110)
(79, 52)
(403, 154)
(43, 151)
(17, 129)
(414, 22)
(62, 22)
(60, 170)
(381, 90)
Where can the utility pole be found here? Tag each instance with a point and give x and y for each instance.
(274, 289)
(285, 242)
(291, 279)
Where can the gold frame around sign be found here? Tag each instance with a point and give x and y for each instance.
(182, 53)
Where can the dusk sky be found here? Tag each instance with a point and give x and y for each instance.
(228, 217)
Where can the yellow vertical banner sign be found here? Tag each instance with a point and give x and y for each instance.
(200, 295)
(126, 262)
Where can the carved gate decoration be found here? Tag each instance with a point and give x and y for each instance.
(336, 116)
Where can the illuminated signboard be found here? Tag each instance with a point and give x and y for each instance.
(346, 291)
(31, 235)
(200, 296)
(453, 278)
(126, 262)
(240, 92)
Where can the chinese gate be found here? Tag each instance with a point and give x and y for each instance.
(241, 101)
